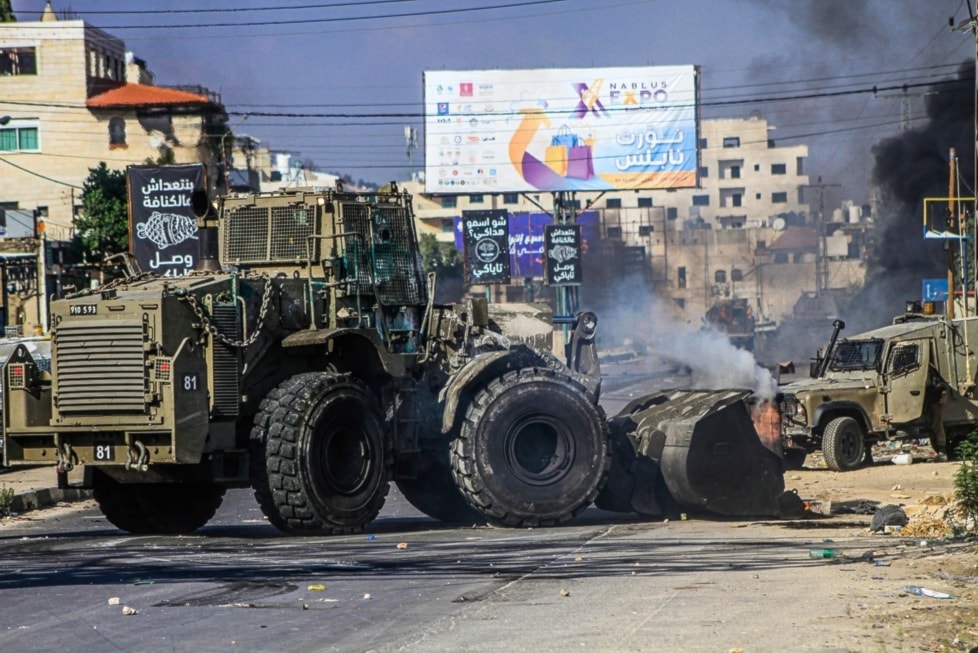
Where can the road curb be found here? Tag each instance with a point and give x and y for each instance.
(46, 497)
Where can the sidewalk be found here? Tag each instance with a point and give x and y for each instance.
(37, 487)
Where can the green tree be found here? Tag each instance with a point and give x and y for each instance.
(441, 258)
(6, 13)
(446, 262)
(102, 228)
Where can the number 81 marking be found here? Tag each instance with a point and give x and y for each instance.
(190, 382)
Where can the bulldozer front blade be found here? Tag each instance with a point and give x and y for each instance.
(696, 450)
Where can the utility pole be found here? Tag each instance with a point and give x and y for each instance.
(821, 255)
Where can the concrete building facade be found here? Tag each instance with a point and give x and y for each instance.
(71, 97)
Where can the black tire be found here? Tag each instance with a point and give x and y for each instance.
(156, 508)
(843, 444)
(320, 462)
(435, 494)
(533, 449)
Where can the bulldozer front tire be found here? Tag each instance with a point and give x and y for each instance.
(156, 508)
(532, 450)
(322, 461)
(843, 444)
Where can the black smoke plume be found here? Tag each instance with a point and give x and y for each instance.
(907, 168)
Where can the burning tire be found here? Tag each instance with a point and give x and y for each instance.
(156, 508)
(321, 464)
(533, 449)
(843, 444)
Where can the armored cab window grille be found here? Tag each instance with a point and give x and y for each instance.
(382, 251)
(269, 232)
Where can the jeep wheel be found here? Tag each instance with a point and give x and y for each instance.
(533, 449)
(156, 508)
(320, 463)
(843, 444)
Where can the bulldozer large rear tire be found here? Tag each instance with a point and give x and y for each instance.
(156, 508)
(843, 444)
(321, 462)
(532, 450)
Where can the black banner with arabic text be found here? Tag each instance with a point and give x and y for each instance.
(562, 250)
(485, 238)
(162, 227)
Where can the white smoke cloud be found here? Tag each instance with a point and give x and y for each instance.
(652, 323)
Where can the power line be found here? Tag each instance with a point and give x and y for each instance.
(226, 10)
(337, 19)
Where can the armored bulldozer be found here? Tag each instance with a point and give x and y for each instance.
(898, 382)
(307, 359)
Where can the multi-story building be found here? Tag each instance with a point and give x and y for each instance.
(71, 97)
(715, 241)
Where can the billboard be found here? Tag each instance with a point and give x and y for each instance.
(526, 240)
(571, 129)
(162, 227)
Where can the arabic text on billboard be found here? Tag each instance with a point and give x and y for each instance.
(526, 240)
(578, 129)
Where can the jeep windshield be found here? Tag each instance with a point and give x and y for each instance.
(856, 355)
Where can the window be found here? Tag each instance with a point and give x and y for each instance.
(613, 203)
(614, 232)
(736, 199)
(779, 169)
(645, 230)
(736, 274)
(701, 200)
(757, 167)
(511, 198)
(18, 61)
(731, 141)
(779, 198)
(680, 302)
(681, 274)
(19, 139)
(645, 202)
(720, 276)
(704, 144)
(477, 199)
(117, 133)
(800, 166)
(448, 202)
(672, 213)
(904, 358)
(735, 172)
(704, 171)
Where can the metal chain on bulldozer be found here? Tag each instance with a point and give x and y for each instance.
(208, 326)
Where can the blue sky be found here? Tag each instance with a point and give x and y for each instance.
(360, 58)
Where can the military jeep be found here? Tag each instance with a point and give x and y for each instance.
(890, 383)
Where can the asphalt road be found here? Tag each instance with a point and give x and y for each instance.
(603, 582)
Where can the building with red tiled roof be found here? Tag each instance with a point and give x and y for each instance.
(72, 97)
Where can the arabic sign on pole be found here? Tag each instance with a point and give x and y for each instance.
(526, 239)
(571, 129)
(486, 246)
(162, 227)
(562, 245)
